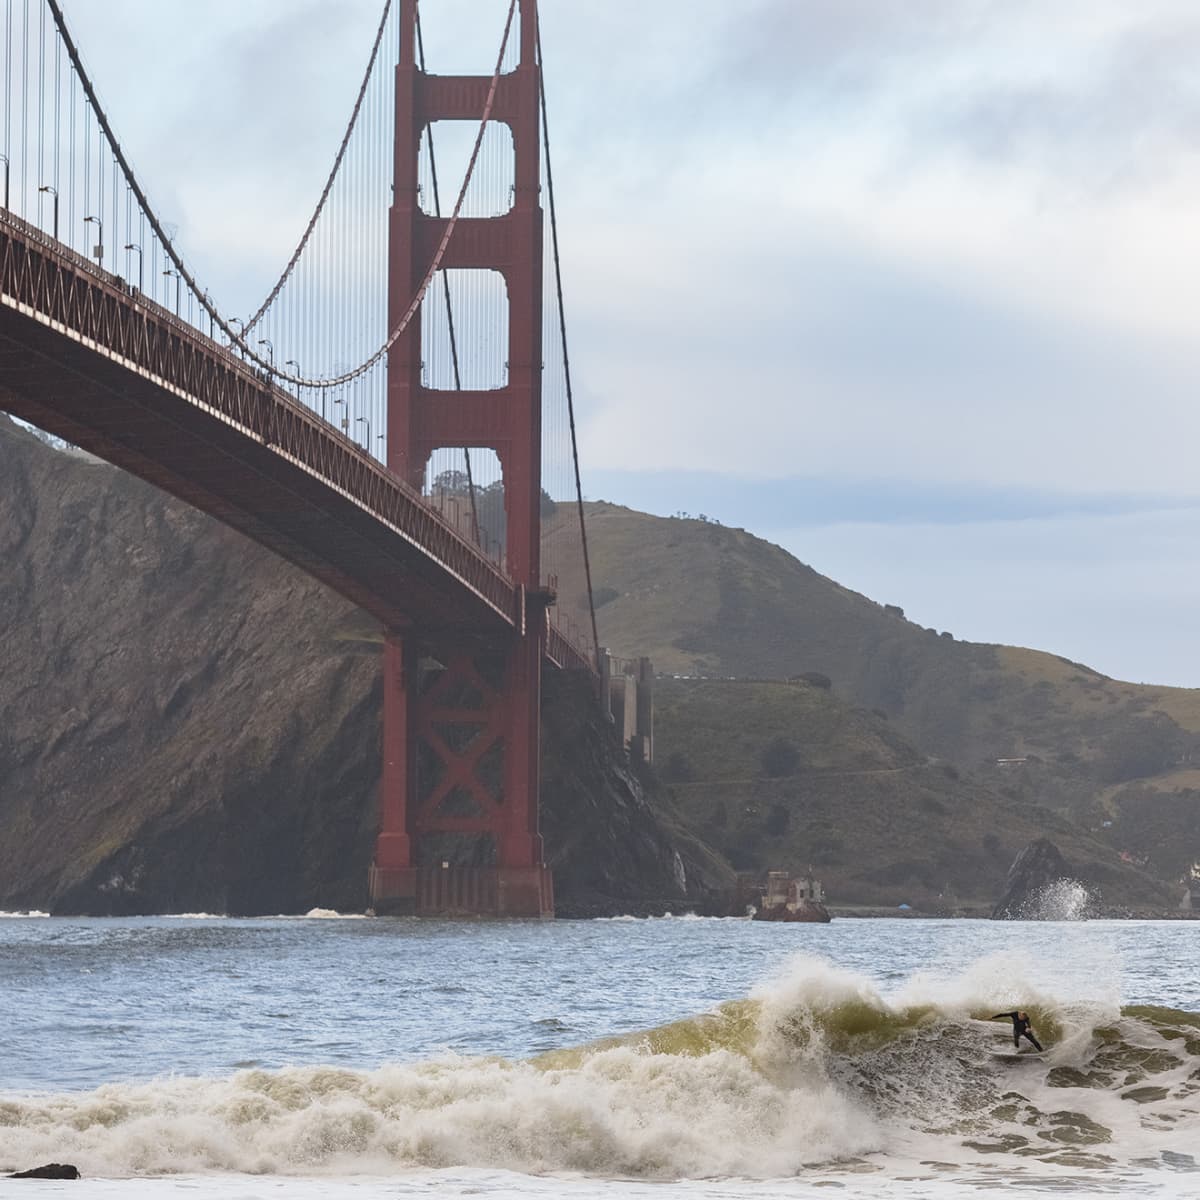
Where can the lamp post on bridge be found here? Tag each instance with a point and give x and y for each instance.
(45, 187)
(270, 354)
(367, 422)
(134, 246)
(172, 271)
(98, 250)
(238, 346)
(291, 362)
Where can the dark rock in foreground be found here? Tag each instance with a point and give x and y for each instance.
(49, 1171)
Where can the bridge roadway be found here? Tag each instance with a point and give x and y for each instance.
(87, 357)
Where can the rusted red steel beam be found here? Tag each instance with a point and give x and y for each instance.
(94, 361)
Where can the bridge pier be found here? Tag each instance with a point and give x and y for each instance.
(459, 789)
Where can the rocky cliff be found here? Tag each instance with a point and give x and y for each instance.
(185, 724)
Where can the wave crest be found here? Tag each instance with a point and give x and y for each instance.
(814, 1067)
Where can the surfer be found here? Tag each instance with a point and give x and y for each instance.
(1022, 1028)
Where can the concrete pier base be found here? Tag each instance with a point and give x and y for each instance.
(453, 891)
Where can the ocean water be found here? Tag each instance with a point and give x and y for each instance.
(679, 1058)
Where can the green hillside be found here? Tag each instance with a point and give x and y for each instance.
(786, 776)
(703, 600)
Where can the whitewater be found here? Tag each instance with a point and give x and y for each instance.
(674, 1058)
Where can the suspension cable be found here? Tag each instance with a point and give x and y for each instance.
(206, 303)
(562, 329)
(437, 209)
(337, 166)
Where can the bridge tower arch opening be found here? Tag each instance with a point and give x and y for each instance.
(461, 720)
(461, 310)
(466, 485)
(446, 148)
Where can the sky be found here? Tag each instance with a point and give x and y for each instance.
(908, 288)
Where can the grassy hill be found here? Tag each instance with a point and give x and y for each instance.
(785, 775)
(703, 600)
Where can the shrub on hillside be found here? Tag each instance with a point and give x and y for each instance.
(1141, 748)
(777, 822)
(602, 596)
(780, 758)
(676, 769)
(816, 679)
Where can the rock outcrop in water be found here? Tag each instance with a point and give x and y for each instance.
(188, 723)
(1037, 876)
(49, 1171)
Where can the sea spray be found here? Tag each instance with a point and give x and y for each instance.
(1060, 900)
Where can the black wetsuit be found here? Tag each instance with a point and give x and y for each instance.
(1021, 1028)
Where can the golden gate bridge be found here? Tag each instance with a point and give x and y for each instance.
(396, 416)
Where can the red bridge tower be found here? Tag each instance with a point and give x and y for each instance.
(461, 717)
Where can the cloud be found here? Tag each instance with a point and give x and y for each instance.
(1114, 117)
(756, 503)
(825, 358)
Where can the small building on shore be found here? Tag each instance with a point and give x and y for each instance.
(784, 897)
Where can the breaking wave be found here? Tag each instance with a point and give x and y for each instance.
(813, 1068)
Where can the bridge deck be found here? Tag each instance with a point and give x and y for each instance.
(91, 360)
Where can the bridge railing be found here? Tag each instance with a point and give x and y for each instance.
(70, 291)
(564, 652)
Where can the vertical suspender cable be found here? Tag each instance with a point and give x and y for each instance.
(57, 107)
(71, 162)
(25, 106)
(562, 328)
(41, 142)
(8, 82)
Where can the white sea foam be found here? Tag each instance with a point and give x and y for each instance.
(817, 1068)
(621, 1112)
(30, 912)
(684, 916)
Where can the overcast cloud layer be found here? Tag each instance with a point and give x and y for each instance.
(909, 288)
